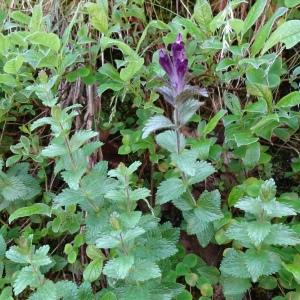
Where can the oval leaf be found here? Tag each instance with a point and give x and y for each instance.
(35, 209)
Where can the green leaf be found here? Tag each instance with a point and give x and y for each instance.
(290, 100)
(40, 257)
(168, 141)
(236, 193)
(49, 40)
(294, 268)
(8, 80)
(234, 288)
(268, 283)
(26, 277)
(144, 270)
(185, 295)
(78, 73)
(2, 246)
(252, 155)
(133, 66)
(244, 138)
(35, 209)
(80, 137)
(265, 31)
(258, 231)
(156, 123)
(211, 125)
(233, 264)
(13, 66)
(282, 235)
(224, 64)
(288, 33)
(254, 13)
(208, 208)
(203, 170)
(291, 3)
(170, 189)
(185, 161)
(36, 18)
(98, 13)
(203, 14)
(20, 17)
(261, 262)
(93, 270)
(187, 109)
(118, 268)
(6, 294)
(46, 291)
(190, 260)
(232, 102)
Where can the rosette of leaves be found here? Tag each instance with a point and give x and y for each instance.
(199, 214)
(257, 241)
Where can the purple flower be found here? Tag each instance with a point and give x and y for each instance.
(175, 64)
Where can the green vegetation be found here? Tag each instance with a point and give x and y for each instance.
(149, 150)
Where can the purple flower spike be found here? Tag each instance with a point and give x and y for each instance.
(175, 65)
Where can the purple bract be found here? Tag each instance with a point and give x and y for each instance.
(175, 64)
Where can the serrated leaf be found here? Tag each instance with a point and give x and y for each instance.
(155, 249)
(40, 257)
(80, 137)
(233, 264)
(238, 232)
(234, 288)
(258, 231)
(208, 207)
(185, 161)
(187, 109)
(156, 123)
(118, 268)
(275, 209)
(203, 170)
(170, 189)
(67, 290)
(25, 277)
(13, 188)
(35, 209)
(144, 270)
(282, 235)
(168, 140)
(46, 291)
(261, 262)
(139, 194)
(54, 150)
